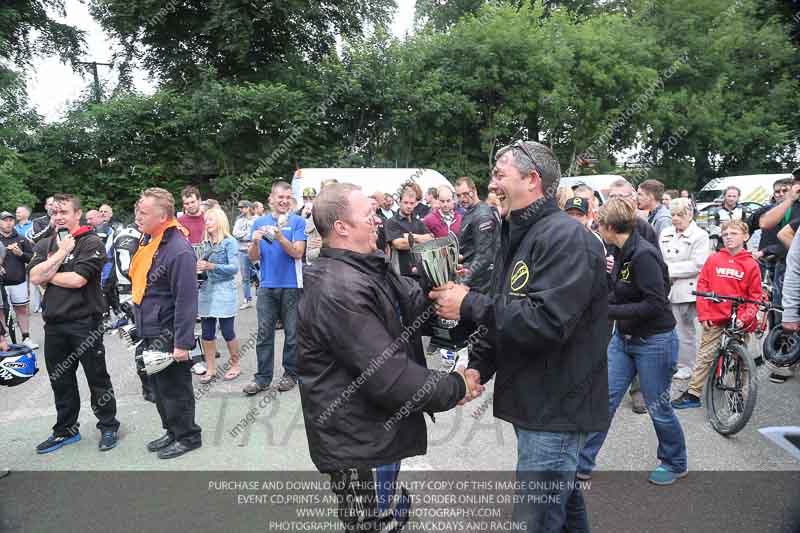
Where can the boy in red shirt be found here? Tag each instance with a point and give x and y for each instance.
(730, 272)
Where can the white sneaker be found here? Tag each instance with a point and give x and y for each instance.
(246, 305)
(683, 372)
(30, 344)
(199, 368)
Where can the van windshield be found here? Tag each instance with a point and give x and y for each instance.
(708, 196)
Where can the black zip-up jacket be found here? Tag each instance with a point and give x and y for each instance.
(60, 304)
(547, 315)
(478, 240)
(363, 381)
(41, 229)
(15, 265)
(639, 290)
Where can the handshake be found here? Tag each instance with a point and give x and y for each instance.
(472, 379)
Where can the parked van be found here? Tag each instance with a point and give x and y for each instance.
(755, 188)
(371, 180)
(600, 183)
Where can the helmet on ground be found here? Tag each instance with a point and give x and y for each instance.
(17, 365)
(782, 348)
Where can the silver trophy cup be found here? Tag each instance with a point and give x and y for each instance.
(437, 263)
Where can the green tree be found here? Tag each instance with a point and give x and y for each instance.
(242, 40)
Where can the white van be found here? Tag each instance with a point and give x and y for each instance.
(599, 183)
(755, 188)
(371, 180)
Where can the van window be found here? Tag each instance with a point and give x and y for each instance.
(708, 196)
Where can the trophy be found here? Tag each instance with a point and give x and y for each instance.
(200, 251)
(149, 362)
(437, 262)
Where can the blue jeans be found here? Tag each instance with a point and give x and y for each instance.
(652, 357)
(777, 283)
(244, 268)
(548, 496)
(274, 305)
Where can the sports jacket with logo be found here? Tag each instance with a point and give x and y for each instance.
(547, 316)
(729, 275)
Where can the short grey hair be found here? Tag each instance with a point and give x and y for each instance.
(545, 160)
(280, 185)
(332, 204)
(616, 184)
(680, 207)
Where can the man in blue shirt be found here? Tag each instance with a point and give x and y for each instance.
(278, 243)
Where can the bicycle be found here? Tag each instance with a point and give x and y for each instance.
(731, 389)
(9, 315)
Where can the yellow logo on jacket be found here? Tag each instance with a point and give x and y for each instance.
(625, 272)
(519, 276)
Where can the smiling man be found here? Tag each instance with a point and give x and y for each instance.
(547, 314)
(68, 265)
(278, 243)
(364, 395)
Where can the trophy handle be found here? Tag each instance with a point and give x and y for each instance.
(453, 251)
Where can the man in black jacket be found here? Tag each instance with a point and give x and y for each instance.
(478, 238)
(67, 265)
(364, 396)
(547, 317)
(43, 226)
(15, 282)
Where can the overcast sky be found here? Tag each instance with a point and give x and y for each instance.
(51, 84)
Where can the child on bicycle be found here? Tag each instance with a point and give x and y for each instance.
(730, 272)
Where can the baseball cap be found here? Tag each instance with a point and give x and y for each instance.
(309, 191)
(245, 203)
(577, 203)
(796, 174)
(6, 214)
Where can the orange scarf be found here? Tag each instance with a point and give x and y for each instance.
(143, 260)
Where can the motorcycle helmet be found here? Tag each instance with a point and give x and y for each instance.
(781, 348)
(17, 365)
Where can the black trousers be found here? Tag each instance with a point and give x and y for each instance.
(65, 345)
(174, 396)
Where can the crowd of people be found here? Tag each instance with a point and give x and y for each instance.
(576, 303)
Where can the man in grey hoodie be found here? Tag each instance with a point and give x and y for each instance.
(791, 295)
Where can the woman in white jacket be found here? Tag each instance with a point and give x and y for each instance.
(685, 248)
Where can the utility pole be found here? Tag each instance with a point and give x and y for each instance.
(94, 64)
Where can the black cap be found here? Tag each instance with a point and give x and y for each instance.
(578, 203)
(6, 214)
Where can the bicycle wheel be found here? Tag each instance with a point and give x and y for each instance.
(731, 390)
(11, 328)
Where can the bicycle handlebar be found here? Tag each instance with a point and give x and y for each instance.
(737, 299)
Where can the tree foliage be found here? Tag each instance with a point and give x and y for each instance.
(698, 90)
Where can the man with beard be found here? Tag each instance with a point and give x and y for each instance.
(547, 314)
(164, 293)
(192, 218)
(359, 437)
(68, 264)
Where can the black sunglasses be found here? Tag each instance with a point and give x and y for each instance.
(521, 145)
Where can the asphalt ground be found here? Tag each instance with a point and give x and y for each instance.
(467, 441)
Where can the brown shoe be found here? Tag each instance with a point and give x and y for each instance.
(254, 388)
